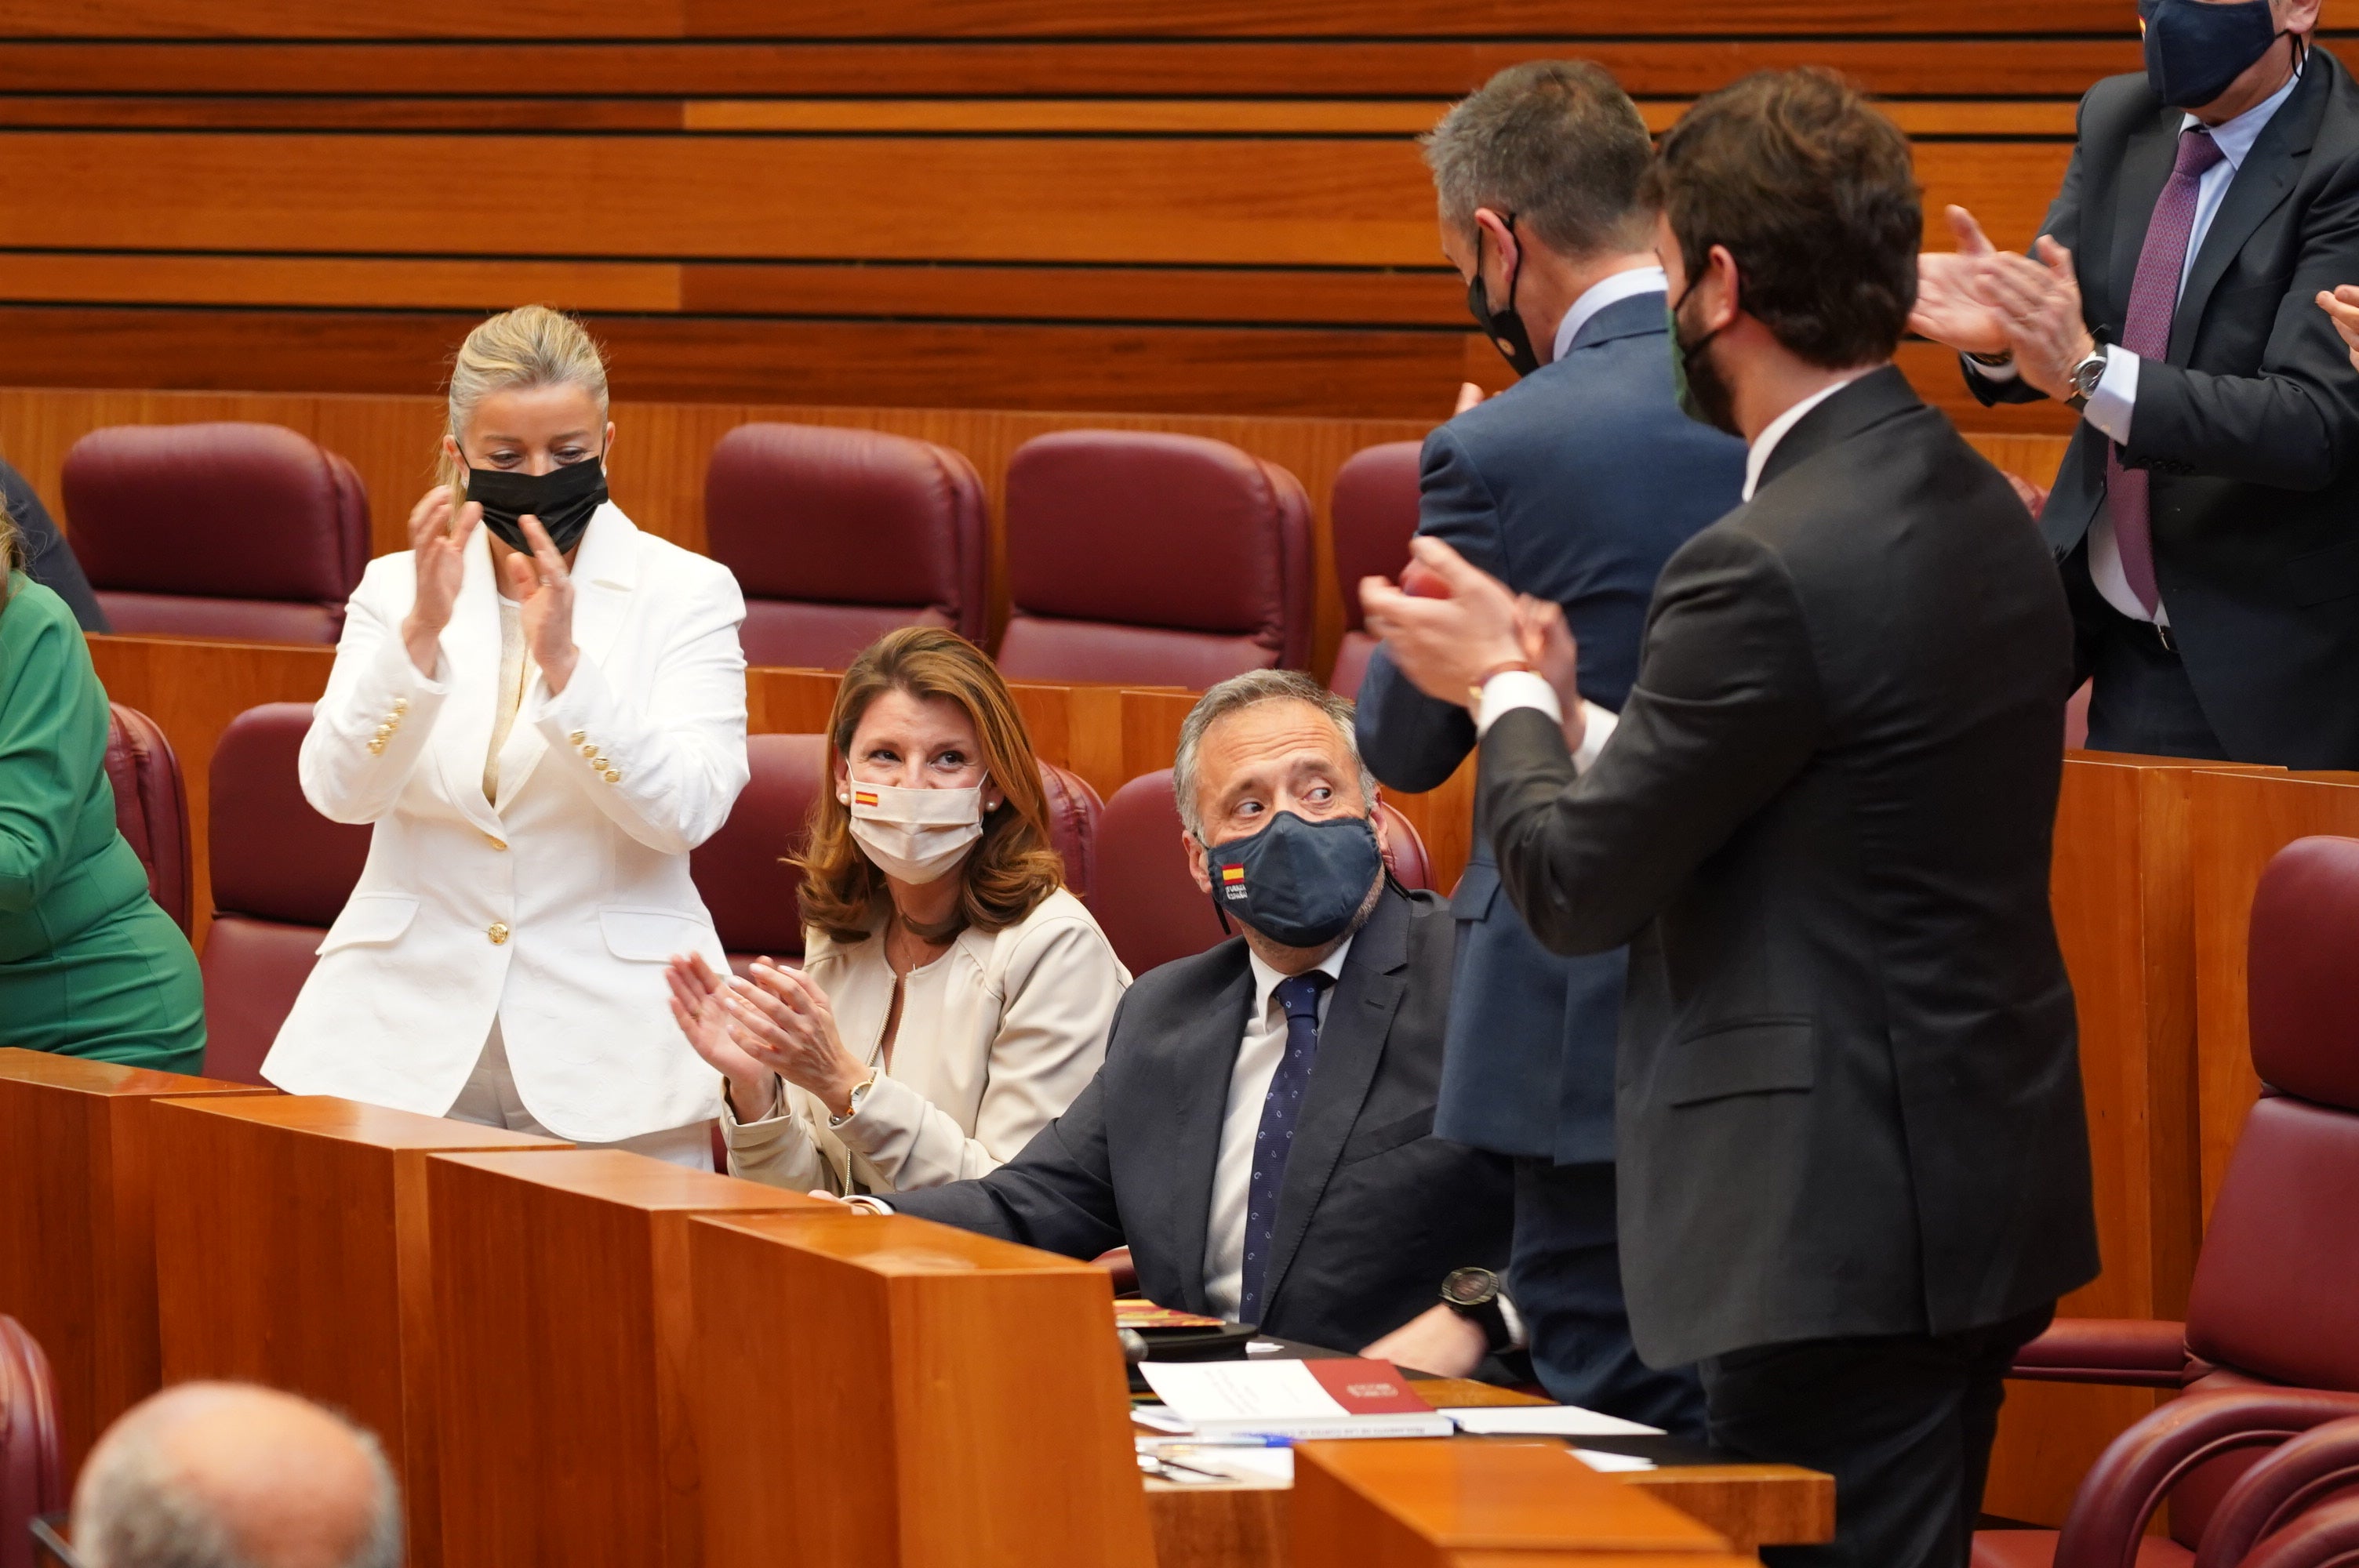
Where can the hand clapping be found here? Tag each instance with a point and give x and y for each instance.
(1445, 645)
(1979, 299)
(438, 543)
(777, 1023)
(545, 591)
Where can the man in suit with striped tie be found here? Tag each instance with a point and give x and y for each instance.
(2206, 516)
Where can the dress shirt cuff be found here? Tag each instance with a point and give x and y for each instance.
(1519, 1336)
(1995, 374)
(2110, 405)
(1511, 689)
(1597, 727)
(867, 1203)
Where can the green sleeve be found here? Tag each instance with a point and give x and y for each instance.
(52, 743)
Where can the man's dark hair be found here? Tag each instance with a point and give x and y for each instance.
(1812, 192)
(1557, 144)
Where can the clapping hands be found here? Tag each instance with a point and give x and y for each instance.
(1979, 299)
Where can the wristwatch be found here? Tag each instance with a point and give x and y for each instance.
(853, 1107)
(2085, 376)
(1473, 1294)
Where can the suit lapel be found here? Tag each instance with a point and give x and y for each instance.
(2145, 168)
(470, 644)
(605, 571)
(1207, 1056)
(1350, 1047)
(2263, 179)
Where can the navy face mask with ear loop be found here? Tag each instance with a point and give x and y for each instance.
(1504, 327)
(1296, 881)
(563, 498)
(2194, 48)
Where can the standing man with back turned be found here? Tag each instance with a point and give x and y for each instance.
(1574, 485)
(2207, 512)
(1854, 1176)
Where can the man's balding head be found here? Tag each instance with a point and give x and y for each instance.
(228, 1476)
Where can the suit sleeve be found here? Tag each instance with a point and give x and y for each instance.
(1726, 710)
(675, 766)
(2063, 225)
(2295, 423)
(371, 727)
(1056, 1194)
(1410, 740)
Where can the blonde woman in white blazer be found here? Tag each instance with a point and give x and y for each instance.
(954, 998)
(537, 763)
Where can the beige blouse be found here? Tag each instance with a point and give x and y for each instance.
(997, 1037)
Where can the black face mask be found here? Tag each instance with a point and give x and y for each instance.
(2193, 50)
(1703, 395)
(562, 499)
(1504, 327)
(1298, 882)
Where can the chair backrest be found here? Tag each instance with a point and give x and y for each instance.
(1373, 514)
(1152, 559)
(150, 806)
(741, 872)
(840, 536)
(280, 874)
(32, 1468)
(1147, 903)
(224, 530)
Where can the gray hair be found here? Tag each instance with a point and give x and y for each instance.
(1556, 144)
(138, 1506)
(1252, 690)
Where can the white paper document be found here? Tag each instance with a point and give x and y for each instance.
(1607, 1463)
(1545, 1420)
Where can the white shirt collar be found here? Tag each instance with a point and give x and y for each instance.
(1757, 457)
(1610, 290)
(1265, 979)
(2235, 137)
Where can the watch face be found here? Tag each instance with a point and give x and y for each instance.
(1469, 1287)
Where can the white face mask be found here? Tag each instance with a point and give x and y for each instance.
(914, 835)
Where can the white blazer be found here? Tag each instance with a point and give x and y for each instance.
(554, 908)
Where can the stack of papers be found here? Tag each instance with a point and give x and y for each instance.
(1545, 1420)
(1354, 1398)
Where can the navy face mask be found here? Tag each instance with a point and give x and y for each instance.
(563, 498)
(1504, 327)
(2193, 50)
(1296, 881)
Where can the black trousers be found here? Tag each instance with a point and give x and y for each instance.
(1903, 1423)
(1564, 1274)
(2141, 699)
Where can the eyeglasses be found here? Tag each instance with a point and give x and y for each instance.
(49, 1542)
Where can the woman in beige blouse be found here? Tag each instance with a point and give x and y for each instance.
(954, 998)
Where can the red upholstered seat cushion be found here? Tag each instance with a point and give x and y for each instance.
(150, 806)
(254, 969)
(2037, 1549)
(216, 530)
(838, 535)
(1352, 655)
(1148, 558)
(2303, 948)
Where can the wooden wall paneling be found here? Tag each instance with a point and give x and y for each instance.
(193, 690)
(860, 1450)
(563, 1335)
(78, 1166)
(2123, 891)
(794, 702)
(2242, 820)
(293, 1250)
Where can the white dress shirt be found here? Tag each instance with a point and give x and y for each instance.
(1610, 290)
(1511, 689)
(1258, 1055)
(2110, 405)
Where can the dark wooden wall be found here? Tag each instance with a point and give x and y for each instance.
(1192, 206)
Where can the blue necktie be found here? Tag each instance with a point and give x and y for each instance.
(1279, 1110)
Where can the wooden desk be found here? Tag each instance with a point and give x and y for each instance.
(926, 1396)
(2241, 821)
(193, 690)
(293, 1250)
(1448, 1503)
(564, 1335)
(1248, 1524)
(77, 1227)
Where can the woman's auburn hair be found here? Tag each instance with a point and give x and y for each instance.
(1010, 868)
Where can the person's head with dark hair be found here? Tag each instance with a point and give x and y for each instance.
(1537, 177)
(1789, 226)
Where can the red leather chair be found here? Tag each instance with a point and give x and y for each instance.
(281, 872)
(1151, 909)
(2318, 1468)
(840, 536)
(32, 1471)
(1152, 559)
(150, 806)
(247, 532)
(1372, 510)
(2327, 1537)
(742, 874)
(2271, 1346)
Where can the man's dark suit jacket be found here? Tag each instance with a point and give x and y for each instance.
(2249, 426)
(1574, 484)
(49, 559)
(1376, 1211)
(1850, 1100)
